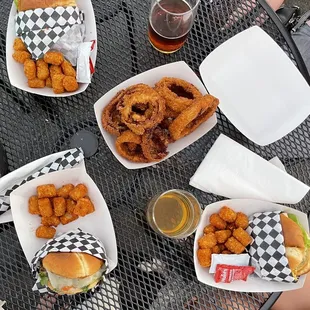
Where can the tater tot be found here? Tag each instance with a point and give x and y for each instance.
(68, 69)
(231, 226)
(50, 221)
(46, 191)
(57, 83)
(83, 207)
(42, 70)
(227, 214)
(222, 235)
(45, 232)
(216, 249)
(70, 83)
(49, 83)
(226, 252)
(21, 56)
(217, 222)
(30, 69)
(204, 257)
(19, 45)
(68, 218)
(241, 220)
(45, 207)
(54, 58)
(33, 206)
(70, 204)
(209, 229)
(65, 190)
(80, 191)
(207, 241)
(59, 204)
(242, 236)
(36, 83)
(234, 246)
(55, 70)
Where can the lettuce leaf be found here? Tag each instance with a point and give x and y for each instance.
(16, 3)
(85, 289)
(306, 236)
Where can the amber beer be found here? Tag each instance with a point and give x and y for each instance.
(170, 22)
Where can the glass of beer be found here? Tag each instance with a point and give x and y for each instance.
(174, 214)
(170, 22)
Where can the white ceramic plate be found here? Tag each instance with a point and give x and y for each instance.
(262, 92)
(16, 70)
(98, 223)
(253, 284)
(177, 69)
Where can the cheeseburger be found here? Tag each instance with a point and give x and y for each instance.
(71, 273)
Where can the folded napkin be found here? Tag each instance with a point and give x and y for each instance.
(55, 162)
(233, 171)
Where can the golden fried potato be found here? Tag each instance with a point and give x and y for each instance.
(19, 45)
(45, 207)
(227, 214)
(68, 69)
(80, 191)
(46, 191)
(70, 204)
(217, 222)
(45, 232)
(49, 83)
(241, 220)
(231, 226)
(30, 69)
(57, 83)
(209, 229)
(83, 207)
(59, 204)
(65, 190)
(226, 252)
(54, 58)
(216, 249)
(55, 70)
(242, 236)
(42, 70)
(222, 235)
(33, 206)
(36, 83)
(234, 246)
(207, 241)
(70, 83)
(204, 257)
(21, 56)
(68, 218)
(50, 221)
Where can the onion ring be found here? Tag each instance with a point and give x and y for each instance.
(192, 117)
(177, 93)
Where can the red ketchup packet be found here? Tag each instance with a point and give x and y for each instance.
(228, 273)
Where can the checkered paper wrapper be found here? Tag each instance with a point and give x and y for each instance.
(267, 250)
(69, 160)
(40, 29)
(75, 241)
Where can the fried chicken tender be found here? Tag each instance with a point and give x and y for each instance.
(48, 82)
(242, 236)
(19, 45)
(80, 191)
(204, 257)
(241, 220)
(57, 83)
(54, 58)
(70, 83)
(45, 207)
(234, 246)
(83, 207)
(46, 191)
(68, 218)
(50, 221)
(30, 69)
(65, 190)
(42, 69)
(227, 214)
(59, 204)
(21, 56)
(209, 229)
(36, 83)
(45, 232)
(68, 69)
(207, 241)
(222, 235)
(217, 222)
(33, 206)
(55, 70)
(70, 204)
(226, 252)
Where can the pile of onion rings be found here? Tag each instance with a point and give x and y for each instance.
(146, 120)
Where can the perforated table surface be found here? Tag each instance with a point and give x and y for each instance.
(153, 272)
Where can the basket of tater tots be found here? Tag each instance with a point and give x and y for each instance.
(51, 46)
(253, 246)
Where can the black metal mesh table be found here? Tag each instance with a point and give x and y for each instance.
(153, 272)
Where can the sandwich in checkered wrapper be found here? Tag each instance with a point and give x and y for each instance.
(72, 263)
(281, 247)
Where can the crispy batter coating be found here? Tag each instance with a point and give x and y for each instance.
(65, 190)
(50, 221)
(45, 207)
(68, 69)
(234, 246)
(83, 207)
(55, 70)
(70, 204)
(209, 229)
(227, 214)
(42, 70)
(30, 69)
(46, 191)
(21, 56)
(68, 218)
(70, 83)
(207, 241)
(80, 191)
(59, 204)
(49, 83)
(242, 236)
(19, 45)
(36, 83)
(222, 235)
(45, 232)
(204, 257)
(242, 220)
(33, 206)
(57, 83)
(217, 222)
(54, 58)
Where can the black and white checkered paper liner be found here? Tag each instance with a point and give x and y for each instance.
(267, 250)
(76, 241)
(40, 29)
(69, 160)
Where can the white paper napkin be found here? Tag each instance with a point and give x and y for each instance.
(233, 171)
